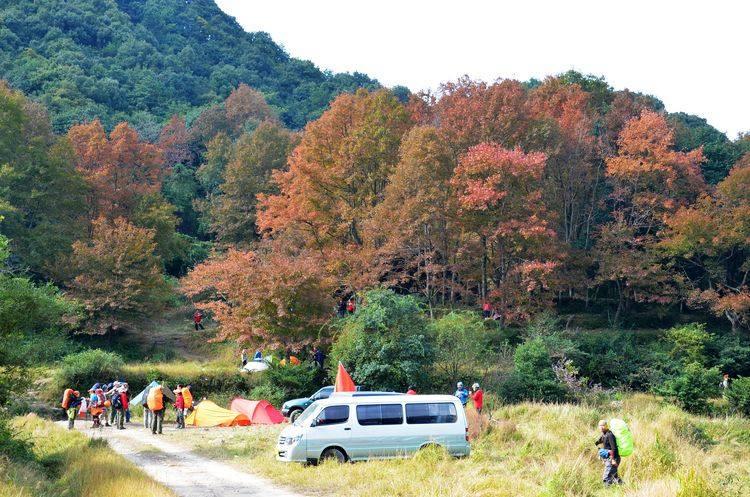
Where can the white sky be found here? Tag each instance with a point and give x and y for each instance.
(692, 55)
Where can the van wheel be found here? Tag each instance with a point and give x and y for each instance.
(294, 415)
(333, 454)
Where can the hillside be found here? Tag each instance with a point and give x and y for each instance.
(143, 60)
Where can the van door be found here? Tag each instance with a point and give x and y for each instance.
(332, 426)
(378, 431)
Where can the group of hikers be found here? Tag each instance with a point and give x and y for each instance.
(110, 404)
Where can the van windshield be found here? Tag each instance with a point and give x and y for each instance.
(306, 414)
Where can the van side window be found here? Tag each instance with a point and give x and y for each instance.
(380, 414)
(333, 415)
(433, 412)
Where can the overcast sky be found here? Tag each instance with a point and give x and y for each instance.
(692, 55)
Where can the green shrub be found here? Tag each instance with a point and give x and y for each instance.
(386, 344)
(689, 342)
(533, 377)
(265, 391)
(206, 382)
(692, 387)
(462, 345)
(83, 369)
(293, 381)
(738, 396)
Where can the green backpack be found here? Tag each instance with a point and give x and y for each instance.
(623, 436)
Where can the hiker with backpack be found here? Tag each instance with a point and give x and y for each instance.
(179, 405)
(71, 401)
(156, 406)
(609, 453)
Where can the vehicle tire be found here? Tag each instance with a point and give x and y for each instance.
(294, 415)
(333, 454)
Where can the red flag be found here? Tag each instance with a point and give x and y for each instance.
(344, 382)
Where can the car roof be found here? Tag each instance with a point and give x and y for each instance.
(381, 398)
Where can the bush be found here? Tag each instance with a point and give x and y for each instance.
(83, 369)
(386, 344)
(692, 387)
(461, 345)
(293, 381)
(266, 391)
(738, 396)
(689, 342)
(533, 377)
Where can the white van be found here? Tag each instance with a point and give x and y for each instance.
(367, 425)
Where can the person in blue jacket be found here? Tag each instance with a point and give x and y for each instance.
(462, 393)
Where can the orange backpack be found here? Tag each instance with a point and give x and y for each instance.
(155, 399)
(67, 394)
(187, 396)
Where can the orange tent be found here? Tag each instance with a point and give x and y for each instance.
(260, 412)
(209, 414)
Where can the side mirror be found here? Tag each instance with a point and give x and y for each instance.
(314, 423)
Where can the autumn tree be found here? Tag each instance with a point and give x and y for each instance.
(246, 104)
(266, 298)
(232, 211)
(339, 171)
(119, 168)
(174, 141)
(711, 243)
(413, 228)
(119, 276)
(649, 181)
(505, 227)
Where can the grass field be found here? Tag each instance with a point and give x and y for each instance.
(529, 450)
(68, 464)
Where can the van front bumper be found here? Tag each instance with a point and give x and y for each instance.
(291, 452)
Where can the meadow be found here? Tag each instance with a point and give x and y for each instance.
(529, 449)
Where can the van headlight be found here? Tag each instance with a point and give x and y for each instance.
(294, 440)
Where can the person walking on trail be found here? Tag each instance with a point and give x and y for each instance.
(486, 310)
(179, 405)
(411, 391)
(462, 393)
(147, 414)
(122, 397)
(351, 306)
(197, 320)
(110, 391)
(477, 396)
(156, 406)
(609, 454)
(71, 403)
(243, 357)
(319, 357)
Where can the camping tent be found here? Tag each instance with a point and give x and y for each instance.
(260, 412)
(209, 414)
(141, 397)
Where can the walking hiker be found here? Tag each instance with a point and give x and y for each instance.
(179, 405)
(319, 357)
(609, 454)
(156, 406)
(462, 393)
(486, 310)
(110, 391)
(197, 318)
(351, 306)
(96, 403)
(243, 356)
(121, 396)
(70, 403)
(477, 396)
(147, 414)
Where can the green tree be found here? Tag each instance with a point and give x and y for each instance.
(461, 344)
(386, 344)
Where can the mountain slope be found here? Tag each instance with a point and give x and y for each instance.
(142, 60)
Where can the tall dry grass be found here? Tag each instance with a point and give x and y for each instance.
(528, 449)
(68, 464)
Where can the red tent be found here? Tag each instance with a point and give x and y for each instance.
(260, 412)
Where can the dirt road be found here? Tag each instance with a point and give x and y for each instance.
(187, 474)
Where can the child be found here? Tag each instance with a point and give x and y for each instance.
(179, 405)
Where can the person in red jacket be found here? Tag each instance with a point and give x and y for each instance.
(351, 306)
(197, 318)
(477, 395)
(486, 310)
(179, 405)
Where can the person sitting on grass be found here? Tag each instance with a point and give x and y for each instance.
(609, 454)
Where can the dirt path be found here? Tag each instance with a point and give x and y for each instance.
(188, 474)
